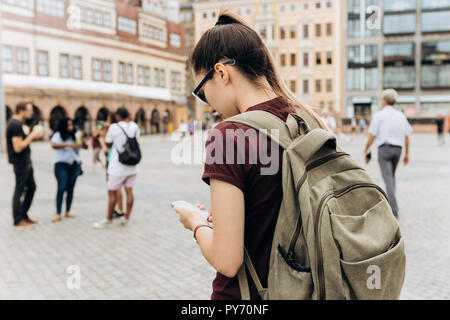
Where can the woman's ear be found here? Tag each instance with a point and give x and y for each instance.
(222, 72)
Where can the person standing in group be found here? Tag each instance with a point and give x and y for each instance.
(390, 130)
(119, 175)
(19, 155)
(329, 120)
(96, 146)
(67, 164)
(440, 129)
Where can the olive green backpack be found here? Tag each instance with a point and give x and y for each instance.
(336, 236)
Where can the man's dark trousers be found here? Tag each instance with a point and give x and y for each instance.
(24, 191)
(388, 158)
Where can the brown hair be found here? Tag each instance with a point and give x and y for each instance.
(21, 106)
(233, 38)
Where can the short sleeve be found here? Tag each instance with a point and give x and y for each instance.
(216, 166)
(15, 131)
(409, 129)
(56, 138)
(374, 126)
(111, 134)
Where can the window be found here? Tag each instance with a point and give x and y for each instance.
(293, 31)
(205, 15)
(130, 73)
(403, 23)
(305, 6)
(354, 19)
(77, 71)
(318, 86)
(329, 29)
(282, 8)
(305, 59)
(143, 76)
(329, 4)
(126, 25)
(8, 61)
(42, 63)
(305, 31)
(293, 85)
(156, 33)
(293, 59)
(400, 5)
(318, 5)
(98, 18)
(89, 15)
(436, 64)
(54, 8)
(318, 58)
(318, 30)
(282, 32)
(435, 4)
(398, 61)
(121, 72)
(293, 7)
(175, 80)
(64, 69)
(22, 61)
(175, 40)
(305, 86)
(282, 59)
(101, 70)
(263, 32)
(160, 78)
(362, 71)
(19, 3)
(329, 85)
(329, 57)
(107, 19)
(436, 21)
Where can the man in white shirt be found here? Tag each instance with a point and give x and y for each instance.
(120, 175)
(390, 130)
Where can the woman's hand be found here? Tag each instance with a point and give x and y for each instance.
(190, 219)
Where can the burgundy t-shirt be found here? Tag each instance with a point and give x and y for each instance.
(262, 194)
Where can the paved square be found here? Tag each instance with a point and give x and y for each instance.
(155, 258)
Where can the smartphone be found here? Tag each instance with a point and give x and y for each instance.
(185, 204)
(369, 155)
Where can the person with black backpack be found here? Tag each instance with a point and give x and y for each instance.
(122, 168)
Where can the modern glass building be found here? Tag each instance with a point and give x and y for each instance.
(400, 44)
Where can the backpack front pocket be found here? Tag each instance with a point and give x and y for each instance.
(380, 277)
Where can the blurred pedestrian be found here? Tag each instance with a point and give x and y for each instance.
(329, 120)
(440, 129)
(119, 175)
(67, 164)
(96, 147)
(353, 125)
(390, 130)
(18, 140)
(362, 125)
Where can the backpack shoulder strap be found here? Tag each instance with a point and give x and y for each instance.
(123, 130)
(263, 120)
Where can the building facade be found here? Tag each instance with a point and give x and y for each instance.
(401, 44)
(304, 38)
(84, 59)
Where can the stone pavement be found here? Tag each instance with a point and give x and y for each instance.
(154, 257)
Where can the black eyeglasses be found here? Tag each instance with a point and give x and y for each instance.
(209, 75)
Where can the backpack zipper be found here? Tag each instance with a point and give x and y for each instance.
(317, 224)
(312, 165)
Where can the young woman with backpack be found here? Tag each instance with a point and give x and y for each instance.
(235, 73)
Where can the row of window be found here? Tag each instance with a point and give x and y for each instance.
(320, 86)
(282, 8)
(354, 6)
(16, 60)
(321, 58)
(56, 8)
(291, 31)
(399, 66)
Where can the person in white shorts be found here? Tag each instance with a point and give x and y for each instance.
(119, 175)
